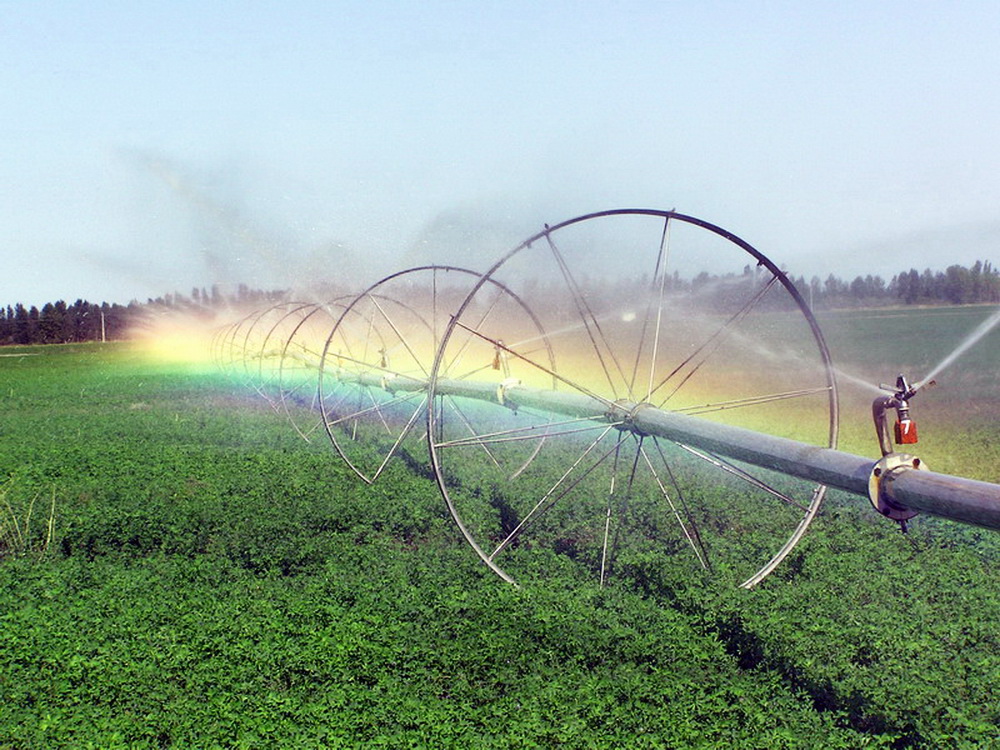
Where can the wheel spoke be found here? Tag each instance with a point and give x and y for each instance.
(378, 409)
(592, 325)
(401, 437)
(543, 368)
(691, 535)
(746, 476)
(659, 275)
(525, 356)
(607, 517)
(549, 499)
(373, 409)
(683, 501)
(522, 433)
(366, 367)
(402, 339)
(475, 331)
(752, 401)
(711, 345)
(623, 506)
(472, 431)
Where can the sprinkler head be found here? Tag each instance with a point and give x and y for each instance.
(904, 390)
(905, 429)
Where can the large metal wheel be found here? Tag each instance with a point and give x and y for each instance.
(641, 307)
(376, 363)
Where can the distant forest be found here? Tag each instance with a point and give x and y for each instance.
(58, 322)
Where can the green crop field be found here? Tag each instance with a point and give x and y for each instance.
(178, 568)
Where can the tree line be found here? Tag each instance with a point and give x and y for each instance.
(956, 285)
(61, 323)
(58, 322)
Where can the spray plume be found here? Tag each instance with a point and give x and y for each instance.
(971, 340)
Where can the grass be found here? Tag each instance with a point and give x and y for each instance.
(215, 581)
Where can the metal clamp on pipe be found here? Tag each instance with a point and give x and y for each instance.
(623, 412)
(502, 389)
(885, 470)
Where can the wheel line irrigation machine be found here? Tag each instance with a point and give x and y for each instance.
(596, 392)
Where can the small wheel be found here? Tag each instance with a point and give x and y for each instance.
(301, 334)
(641, 307)
(276, 351)
(238, 347)
(267, 345)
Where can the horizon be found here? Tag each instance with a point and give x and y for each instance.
(231, 291)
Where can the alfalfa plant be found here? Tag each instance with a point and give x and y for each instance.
(18, 536)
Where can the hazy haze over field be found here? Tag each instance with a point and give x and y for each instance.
(152, 147)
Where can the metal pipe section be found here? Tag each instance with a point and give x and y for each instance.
(956, 498)
(959, 499)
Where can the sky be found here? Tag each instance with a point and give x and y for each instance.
(148, 147)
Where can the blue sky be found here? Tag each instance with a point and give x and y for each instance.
(149, 147)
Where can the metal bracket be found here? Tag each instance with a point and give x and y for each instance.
(880, 484)
(624, 411)
(502, 389)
